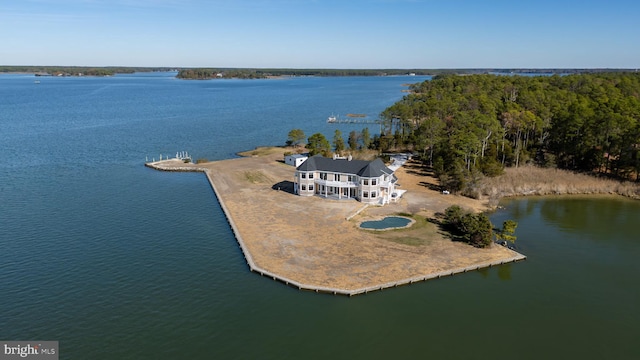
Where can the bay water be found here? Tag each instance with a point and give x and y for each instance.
(117, 261)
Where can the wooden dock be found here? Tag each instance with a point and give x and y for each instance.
(353, 121)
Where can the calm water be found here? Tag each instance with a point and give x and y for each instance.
(117, 261)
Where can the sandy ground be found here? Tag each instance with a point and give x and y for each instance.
(309, 240)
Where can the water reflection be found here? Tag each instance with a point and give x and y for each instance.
(592, 218)
(504, 272)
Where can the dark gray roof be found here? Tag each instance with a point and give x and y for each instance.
(298, 156)
(362, 168)
(374, 169)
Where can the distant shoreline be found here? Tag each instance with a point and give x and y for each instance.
(279, 72)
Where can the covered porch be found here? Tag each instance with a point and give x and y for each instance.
(337, 190)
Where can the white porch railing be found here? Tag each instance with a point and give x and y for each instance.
(344, 184)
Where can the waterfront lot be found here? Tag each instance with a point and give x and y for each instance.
(309, 239)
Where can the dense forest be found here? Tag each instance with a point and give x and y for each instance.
(465, 126)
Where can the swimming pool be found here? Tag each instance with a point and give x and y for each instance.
(389, 222)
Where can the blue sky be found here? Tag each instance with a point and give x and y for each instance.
(322, 34)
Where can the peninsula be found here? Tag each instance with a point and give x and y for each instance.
(316, 244)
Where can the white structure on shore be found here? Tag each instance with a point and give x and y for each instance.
(339, 178)
(295, 159)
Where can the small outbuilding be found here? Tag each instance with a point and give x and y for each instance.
(295, 160)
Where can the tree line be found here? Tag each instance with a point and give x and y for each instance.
(266, 72)
(319, 144)
(77, 70)
(206, 74)
(478, 124)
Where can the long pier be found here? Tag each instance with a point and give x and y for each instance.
(353, 121)
(177, 166)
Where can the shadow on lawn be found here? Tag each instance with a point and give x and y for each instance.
(286, 186)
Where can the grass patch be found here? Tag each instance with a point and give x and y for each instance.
(263, 151)
(406, 215)
(411, 241)
(421, 233)
(256, 177)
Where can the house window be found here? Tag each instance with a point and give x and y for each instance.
(311, 187)
(373, 182)
(336, 177)
(366, 194)
(373, 194)
(365, 182)
(304, 175)
(352, 178)
(310, 175)
(304, 187)
(323, 176)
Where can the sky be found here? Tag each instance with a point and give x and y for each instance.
(338, 34)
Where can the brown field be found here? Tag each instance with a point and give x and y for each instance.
(308, 239)
(530, 180)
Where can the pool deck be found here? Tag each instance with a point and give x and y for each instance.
(315, 244)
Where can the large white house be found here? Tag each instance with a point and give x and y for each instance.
(366, 181)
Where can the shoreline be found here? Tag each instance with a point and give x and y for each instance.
(494, 201)
(328, 253)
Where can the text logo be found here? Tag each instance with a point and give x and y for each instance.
(38, 350)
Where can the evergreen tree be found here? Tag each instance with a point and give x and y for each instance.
(295, 137)
(338, 141)
(318, 144)
(366, 138)
(508, 231)
(353, 140)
